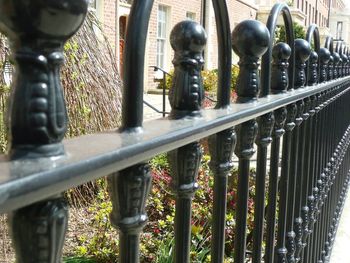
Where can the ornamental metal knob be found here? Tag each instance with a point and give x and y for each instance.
(38, 31)
(186, 95)
(324, 56)
(302, 53)
(250, 40)
(336, 60)
(312, 78)
(46, 20)
(279, 76)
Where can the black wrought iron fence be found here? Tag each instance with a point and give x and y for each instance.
(301, 106)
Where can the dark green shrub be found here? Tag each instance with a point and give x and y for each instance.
(210, 79)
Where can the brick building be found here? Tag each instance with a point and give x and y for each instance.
(339, 22)
(165, 15)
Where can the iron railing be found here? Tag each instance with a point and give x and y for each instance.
(310, 122)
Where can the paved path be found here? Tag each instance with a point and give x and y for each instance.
(157, 102)
(342, 240)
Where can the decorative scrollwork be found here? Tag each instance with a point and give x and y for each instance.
(129, 189)
(38, 231)
(280, 119)
(184, 164)
(246, 132)
(266, 123)
(221, 147)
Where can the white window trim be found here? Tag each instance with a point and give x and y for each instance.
(166, 54)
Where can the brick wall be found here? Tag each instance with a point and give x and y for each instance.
(177, 13)
(109, 20)
(178, 9)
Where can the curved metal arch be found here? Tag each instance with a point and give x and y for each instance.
(134, 64)
(224, 53)
(266, 59)
(338, 47)
(312, 33)
(329, 44)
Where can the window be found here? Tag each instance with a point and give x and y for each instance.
(339, 30)
(190, 16)
(162, 28)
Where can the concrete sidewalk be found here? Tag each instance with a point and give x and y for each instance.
(157, 102)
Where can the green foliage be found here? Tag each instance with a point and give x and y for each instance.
(78, 260)
(210, 79)
(280, 33)
(157, 240)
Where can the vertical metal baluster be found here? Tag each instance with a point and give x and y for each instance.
(311, 191)
(305, 174)
(37, 114)
(221, 147)
(278, 131)
(315, 183)
(129, 190)
(265, 124)
(313, 67)
(250, 41)
(130, 187)
(279, 84)
(186, 96)
(325, 165)
(321, 176)
(284, 183)
(302, 52)
(291, 235)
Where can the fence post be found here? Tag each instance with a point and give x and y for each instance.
(38, 119)
(186, 96)
(250, 42)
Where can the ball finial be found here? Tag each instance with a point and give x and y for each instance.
(188, 36)
(281, 51)
(279, 75)
(336, 57)
(51, 19)
(302, 54)
(324, 55)
(250, 38)
(186, 94)
(302, 50)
